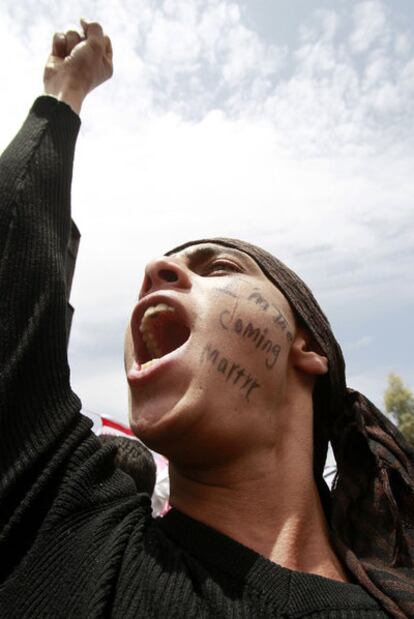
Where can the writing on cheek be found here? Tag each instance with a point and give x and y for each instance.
(232, 372)
(227, 291)
(230, 289)
(277, 316)
(246, 330)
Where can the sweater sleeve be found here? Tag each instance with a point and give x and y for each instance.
(37, 406)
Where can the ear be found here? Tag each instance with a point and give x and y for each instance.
(306, 356)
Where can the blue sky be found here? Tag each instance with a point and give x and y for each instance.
(289, 124)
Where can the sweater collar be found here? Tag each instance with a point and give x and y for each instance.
(284, 588)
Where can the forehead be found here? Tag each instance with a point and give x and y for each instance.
(203, 252)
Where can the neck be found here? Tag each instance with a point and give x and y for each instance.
(269, 504)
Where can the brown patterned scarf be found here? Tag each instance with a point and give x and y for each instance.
(371, 505)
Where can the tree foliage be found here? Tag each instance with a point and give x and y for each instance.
(399, 402)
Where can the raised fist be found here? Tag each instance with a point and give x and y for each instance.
(78, 64)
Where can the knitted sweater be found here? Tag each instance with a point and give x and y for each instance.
(76, 540)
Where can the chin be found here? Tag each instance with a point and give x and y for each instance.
(161, 419)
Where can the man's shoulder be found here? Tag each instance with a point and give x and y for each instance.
(313, 596)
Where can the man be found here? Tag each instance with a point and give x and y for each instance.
(233, 374)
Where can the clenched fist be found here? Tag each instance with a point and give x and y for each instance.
(78, 64)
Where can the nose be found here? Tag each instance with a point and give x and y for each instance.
(163, 273)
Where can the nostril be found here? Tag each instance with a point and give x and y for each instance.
(167, 275)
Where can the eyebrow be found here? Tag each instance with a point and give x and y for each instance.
(199, 254)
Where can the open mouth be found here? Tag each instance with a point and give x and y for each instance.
(162, 329)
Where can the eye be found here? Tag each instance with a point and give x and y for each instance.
(221, 267)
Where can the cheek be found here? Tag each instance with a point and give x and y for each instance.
(253, 336)
(227, 372)
(240, 359)
(246, 345)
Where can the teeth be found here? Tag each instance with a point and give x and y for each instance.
(153, 310)
(151, 344)
(146, 328)
(146, 365)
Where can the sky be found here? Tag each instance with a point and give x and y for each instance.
(285, 123)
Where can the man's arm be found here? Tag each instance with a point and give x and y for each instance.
(37, 406)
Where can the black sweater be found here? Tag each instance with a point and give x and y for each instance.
(75, 538)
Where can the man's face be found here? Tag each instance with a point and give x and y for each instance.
(206, 354)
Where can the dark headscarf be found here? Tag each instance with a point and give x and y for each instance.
(370, 508)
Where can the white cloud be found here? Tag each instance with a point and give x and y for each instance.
(370, 26)
(173, 40)
(407, 80)
(402, 44)
(377, 70)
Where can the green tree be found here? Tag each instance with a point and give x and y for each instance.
(399, 402)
